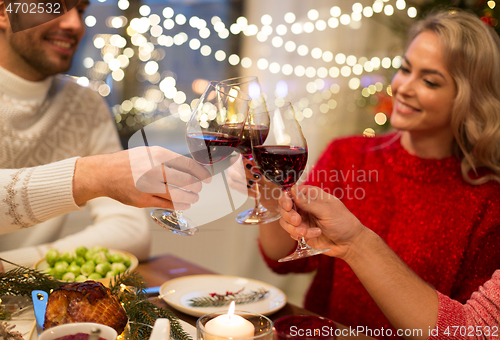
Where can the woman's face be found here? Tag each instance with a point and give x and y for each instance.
(423, 91)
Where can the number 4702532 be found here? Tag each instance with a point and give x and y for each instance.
(34, 8)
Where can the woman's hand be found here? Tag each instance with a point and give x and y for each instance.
(321, 218)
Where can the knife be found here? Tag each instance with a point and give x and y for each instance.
(39, 298)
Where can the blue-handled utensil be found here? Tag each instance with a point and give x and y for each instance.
(39, 298)
(152, 290)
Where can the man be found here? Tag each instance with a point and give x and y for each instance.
(48, 122)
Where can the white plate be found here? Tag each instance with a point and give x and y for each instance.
(178, 292)
(191, 330)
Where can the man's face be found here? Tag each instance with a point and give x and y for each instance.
(48, 48)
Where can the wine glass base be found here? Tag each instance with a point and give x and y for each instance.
(255, 216)
(167, 219)
(301, 253)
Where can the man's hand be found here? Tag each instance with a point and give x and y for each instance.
(142, 177)
(321, 218)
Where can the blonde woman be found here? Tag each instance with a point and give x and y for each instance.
(431, 190)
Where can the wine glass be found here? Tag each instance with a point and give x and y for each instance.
(281, 158)
(209, 141)
(250, 85)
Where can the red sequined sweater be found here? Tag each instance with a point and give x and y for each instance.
(445, 229)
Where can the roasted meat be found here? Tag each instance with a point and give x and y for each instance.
(87, 301)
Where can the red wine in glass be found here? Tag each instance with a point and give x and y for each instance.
(211, 147)
(282, 159)
(281, 164)
(245, 145)
(260, 122)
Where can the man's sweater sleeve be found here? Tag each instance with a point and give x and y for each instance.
(30, 196)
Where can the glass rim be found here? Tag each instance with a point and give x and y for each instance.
(236, 312)
(216, 88)
(270, 109)
(231, 81)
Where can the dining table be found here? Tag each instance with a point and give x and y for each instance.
(160, 269)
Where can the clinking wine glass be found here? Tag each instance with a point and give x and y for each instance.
(281, 158)
(250, 85)
(209, 141)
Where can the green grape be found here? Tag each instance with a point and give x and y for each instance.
(68, 277)
(100, 257)
(52, 257)
(67, 256)
(116, 258)
(61, 265)
(83, 264)
(96, 249)
(95, 276)
(79, 260)
(89, 254)
(74, 268)
(103, 268)
(112, 273)
(119, 267)
(81, 251)
(60, 268)
(81, 278)
(88, 268)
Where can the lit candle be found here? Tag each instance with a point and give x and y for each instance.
(229, 326)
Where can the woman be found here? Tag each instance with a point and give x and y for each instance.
(430, 190)
(412, 306)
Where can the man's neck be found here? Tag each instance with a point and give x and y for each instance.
(14, 86)
(23, 72)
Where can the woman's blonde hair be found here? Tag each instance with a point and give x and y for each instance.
(472, 53)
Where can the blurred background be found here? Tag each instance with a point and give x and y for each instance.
(333, 60)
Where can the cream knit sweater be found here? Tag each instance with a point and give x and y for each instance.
(44, 127)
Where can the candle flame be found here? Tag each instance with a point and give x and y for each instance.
(232, 307)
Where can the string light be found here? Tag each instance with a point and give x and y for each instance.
(116, 56)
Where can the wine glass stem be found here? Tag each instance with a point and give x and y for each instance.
(258, 205)
(177, 215)
(301, 242)
(302, 245)
(259, 208)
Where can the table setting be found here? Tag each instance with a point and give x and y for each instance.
(164, 284)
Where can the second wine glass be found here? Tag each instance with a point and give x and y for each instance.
(209, 141)
(258, 118)
(281, 157)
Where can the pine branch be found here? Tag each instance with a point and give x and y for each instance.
(7, 332)
(142, 312)
(22, 280)
(217, 300)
